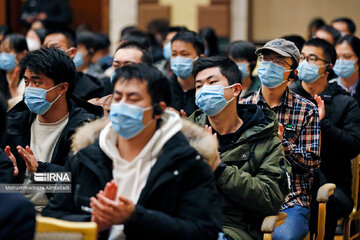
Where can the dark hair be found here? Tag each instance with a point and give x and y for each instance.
(5, 30)
(41, 33)
(53, 63)
(17, 42)
(177, 29)
(316, 23)
(67, 32)
(350, 23)
(159, 26)
(137, 36)
(102, 41)
(332, 31)
(243, 49)
(227, 68)
(146, 55)
(3, 112)
(296, 39)
(328, 51)
(88, 39)
(157, 84)
(354, 43)
(190, 37)
(209, 36)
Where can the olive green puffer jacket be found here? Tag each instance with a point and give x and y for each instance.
(254, 176)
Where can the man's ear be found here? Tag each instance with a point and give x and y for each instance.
(72, 52)
(64, 88)
(237, 89)
(160, 106)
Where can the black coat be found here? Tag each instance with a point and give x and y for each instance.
(180, 99)
(4, 85)
(87, 87)
(6, 168)
(179, 200)
(19, 122)
(340, 133)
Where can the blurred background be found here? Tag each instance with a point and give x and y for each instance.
(253, 20)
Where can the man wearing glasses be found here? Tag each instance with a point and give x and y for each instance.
(299, 130)
(339, 122)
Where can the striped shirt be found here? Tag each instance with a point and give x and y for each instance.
(300, 119)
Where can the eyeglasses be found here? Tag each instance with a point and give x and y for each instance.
(276, 60)
(312, 59)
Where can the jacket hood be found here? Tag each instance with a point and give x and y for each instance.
(203, 142)
(265, 123)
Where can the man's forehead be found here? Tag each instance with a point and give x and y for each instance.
(128, 54)
(56, 39)
(207, 73)
(312, 50)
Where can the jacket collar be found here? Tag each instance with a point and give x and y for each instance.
(287, 99)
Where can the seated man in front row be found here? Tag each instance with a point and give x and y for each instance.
(251, 172)
(161, 188)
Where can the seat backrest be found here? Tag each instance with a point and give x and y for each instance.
(51, 228)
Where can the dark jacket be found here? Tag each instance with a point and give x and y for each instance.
(19, 122)
(180, 99)
(58, 11)
(179, 200)
(6, 168)
(87, 87)
(254, 87)
(340, 133)
(4, 85)
(254, 177)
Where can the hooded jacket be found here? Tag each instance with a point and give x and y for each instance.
(87, 87)
(18, 130)
(179, 200)
(253, 177)
(340, 133)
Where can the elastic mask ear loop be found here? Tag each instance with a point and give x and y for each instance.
(227, 102)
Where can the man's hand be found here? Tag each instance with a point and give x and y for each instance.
(29, 158)
(321, 106)
(217, 161)
(109, 192)
(281, 132)
(12, 158)
(110, 211)
(183, 113)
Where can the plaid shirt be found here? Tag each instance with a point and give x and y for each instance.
(300, 119)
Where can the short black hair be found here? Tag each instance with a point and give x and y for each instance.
(137, 35)
(67, 32)
(146, 55)
(17, 42)
(354, 43)
(3, 112)
(177, 29)
(328, 50)
(296, 39)
(51, 62)
(102, 41)
(315, 23)
(41, 33)
(332, 31)
(88, 39)
(350, 23)
(158, 85)
(190, 37)
(227, 68)
(159, 25)
(243, 50)
(209, 36)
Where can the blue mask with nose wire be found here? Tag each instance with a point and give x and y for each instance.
(210, 99)
(308, 72)
(35, 99)
(182, 66)
(167, 51)
(344, 68)
(126, 119)
(243, 67)
(78, 59)
(7, 61)
(271, 75)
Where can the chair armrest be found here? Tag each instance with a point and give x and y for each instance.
(270, 222)
(324, 192)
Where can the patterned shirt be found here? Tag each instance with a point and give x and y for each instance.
(300, 119)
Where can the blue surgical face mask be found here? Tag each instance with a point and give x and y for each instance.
(35, 99)
(308, 72)
(112, 76)
(105, 61)
(126, 119)
(78, 59)
(243, 67)
(7, 61)
(182, 66)
(271, 75)
(344, 68)
(167, 51)
(210, 99)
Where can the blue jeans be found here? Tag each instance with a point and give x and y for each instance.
(296, 225)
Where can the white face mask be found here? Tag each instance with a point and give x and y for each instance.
(33, 44)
